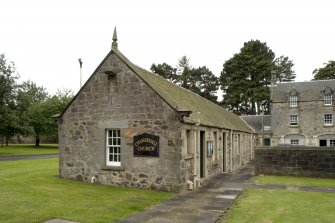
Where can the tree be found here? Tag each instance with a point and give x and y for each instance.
(325, 73)
(204, 83)
(245, 78)
(198, 80)
(41, 111)
(8, 77)
(165, 70)
(283, 69)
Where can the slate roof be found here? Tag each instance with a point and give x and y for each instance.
(203, 111)
(255, 121)
(307, 91)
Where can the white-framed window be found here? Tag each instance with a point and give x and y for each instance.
(332, 143)
(113, 147)
(294, 141)
(328, 119)
(328, 99)
(267, 128)
(293, 101)
(293, 120)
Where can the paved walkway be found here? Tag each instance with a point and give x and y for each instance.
(203, 205)
(28, 157)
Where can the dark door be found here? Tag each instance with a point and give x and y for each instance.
(224, 152)
(267, 142)
(202, 152)
(323, 142)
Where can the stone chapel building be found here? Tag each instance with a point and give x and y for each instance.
(129, 127)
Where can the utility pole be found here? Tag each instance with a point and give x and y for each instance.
(81, 76)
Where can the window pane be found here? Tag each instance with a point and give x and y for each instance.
(113, 147)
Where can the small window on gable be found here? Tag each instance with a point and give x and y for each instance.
(293, 101)
(328, 99)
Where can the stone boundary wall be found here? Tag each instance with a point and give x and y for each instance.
(295, 161)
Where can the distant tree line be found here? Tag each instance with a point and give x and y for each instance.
(245, 78)
(25, 108)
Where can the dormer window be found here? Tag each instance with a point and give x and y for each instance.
(293, 98)
(328, 99)
(293, 101)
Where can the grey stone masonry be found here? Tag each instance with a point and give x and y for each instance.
(122, 102)
(295, 161)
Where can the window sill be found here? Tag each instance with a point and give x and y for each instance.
(328, 126)
(294, 126)
(116, 168)
(188, 156)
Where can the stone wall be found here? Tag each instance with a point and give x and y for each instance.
(295, 161)
(123, 102)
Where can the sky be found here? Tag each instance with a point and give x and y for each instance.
(45, 39)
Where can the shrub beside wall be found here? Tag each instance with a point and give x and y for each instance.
(295, 161)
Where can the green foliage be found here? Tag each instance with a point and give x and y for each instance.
(283, 69)
(31, 191)
(325, 73)
(165, 70)
(198, 80)
(27, 109)
(246, 77)
(8, 119)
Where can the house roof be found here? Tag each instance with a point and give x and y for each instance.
(197, 110)
(255, 121)
(306, 91)
(202, 111)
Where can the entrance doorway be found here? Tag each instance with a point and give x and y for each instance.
(323, 142)
(202, 153)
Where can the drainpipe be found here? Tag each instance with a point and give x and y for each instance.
(195, 157)
(231, 151)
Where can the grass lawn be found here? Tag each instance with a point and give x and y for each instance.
(28, 149)
(280, 206)
(30, 191)
(276, 206)
(294, 181)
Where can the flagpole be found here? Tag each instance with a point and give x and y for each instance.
(81, 78)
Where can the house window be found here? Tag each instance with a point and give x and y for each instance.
(293, 101)
(293, 120)
(328, 99)
(294, 141)
(328, 119)
(332, 143)
(113, 147)
(267, 128)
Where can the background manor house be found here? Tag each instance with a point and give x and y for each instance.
(130, 127)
